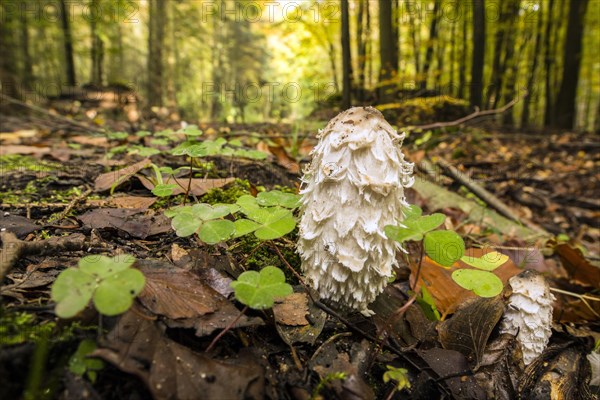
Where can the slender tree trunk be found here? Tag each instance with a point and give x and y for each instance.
(430, 43)
(361, 43)
(410, 9)
(97, 51)
(9, 75)
(497, 73)
(368, 47)
(27, 72)
(509, 63)
(549, 106)
(462, 71)
(476, 97)
(566, 103)
(389, 65)
(155, 54)
(532, 71)
(451, 91)
(68, 45)
(346, 57)
(218, 37)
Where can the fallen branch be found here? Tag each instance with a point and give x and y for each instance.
(484, 195)
(478, 113)
(56, 116)
(13, 248)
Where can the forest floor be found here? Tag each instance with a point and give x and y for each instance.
(60, 188)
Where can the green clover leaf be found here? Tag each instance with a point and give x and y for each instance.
(482, 283)
(258, 290)
(444, 247)
(488, 262)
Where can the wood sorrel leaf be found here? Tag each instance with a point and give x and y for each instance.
(482, 283)
(444, 247)
(259, 290)
(488, 262)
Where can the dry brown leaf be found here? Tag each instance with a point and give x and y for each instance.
(186, 301)
(470, 327)
(20, 149)
(445, 292)
(171, 371)
(133, 221)
(106, 181)
(137, 202)
(292, 310)
(98, 141)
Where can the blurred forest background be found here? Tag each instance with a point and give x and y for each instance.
(261, 60)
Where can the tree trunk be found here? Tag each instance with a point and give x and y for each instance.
(389, 64)
(430, 43)
(532, 70)
(27, 71)
(510, 64)
(156, 38)
(368, 47)
(548, 106)
(567, 94)
(8, 67)
(97, 51)
(478, 53)
(216, 105)
(462, 71)
(451, 90)
(68, 45)
(346, 58)
(414, 39)
(361, 44)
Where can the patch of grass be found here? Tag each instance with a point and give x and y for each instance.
(17, 162)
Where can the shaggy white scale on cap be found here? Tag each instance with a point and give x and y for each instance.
(353, 187)
(529, 313)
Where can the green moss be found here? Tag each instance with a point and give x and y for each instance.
(16, 162)
(19, 327)
(228, 194)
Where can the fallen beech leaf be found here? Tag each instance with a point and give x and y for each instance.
(186, 301)
(20, 149)
(137, 346)
(18, 225)
(579, 268)
(447, 294)
(470, 327)
(446, 362)
(198, 186)
(292, 310)
(137, 202)
(99, 141)
(133, 221)
(106, 181)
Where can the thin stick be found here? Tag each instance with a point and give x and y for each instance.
(224, 331)
(56, 116)
(476, 114)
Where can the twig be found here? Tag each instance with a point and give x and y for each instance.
(484, 195)
(13, 249)
(225, 330)
(583, 297)
(73, 203)
(476, 114)
(56, 116)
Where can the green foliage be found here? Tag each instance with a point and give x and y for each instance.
(268, 216)
(398, 375)
(81, 364)
(110, 282)
(333, 376)
(488, 262)
(482, 283)
(258, 290)
(446, 248)
(425, 301)
(19, 327)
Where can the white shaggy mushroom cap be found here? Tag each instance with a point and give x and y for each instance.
(529, 313)
(353, 187)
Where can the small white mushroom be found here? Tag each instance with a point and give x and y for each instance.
(529, 313)
(353, 187)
